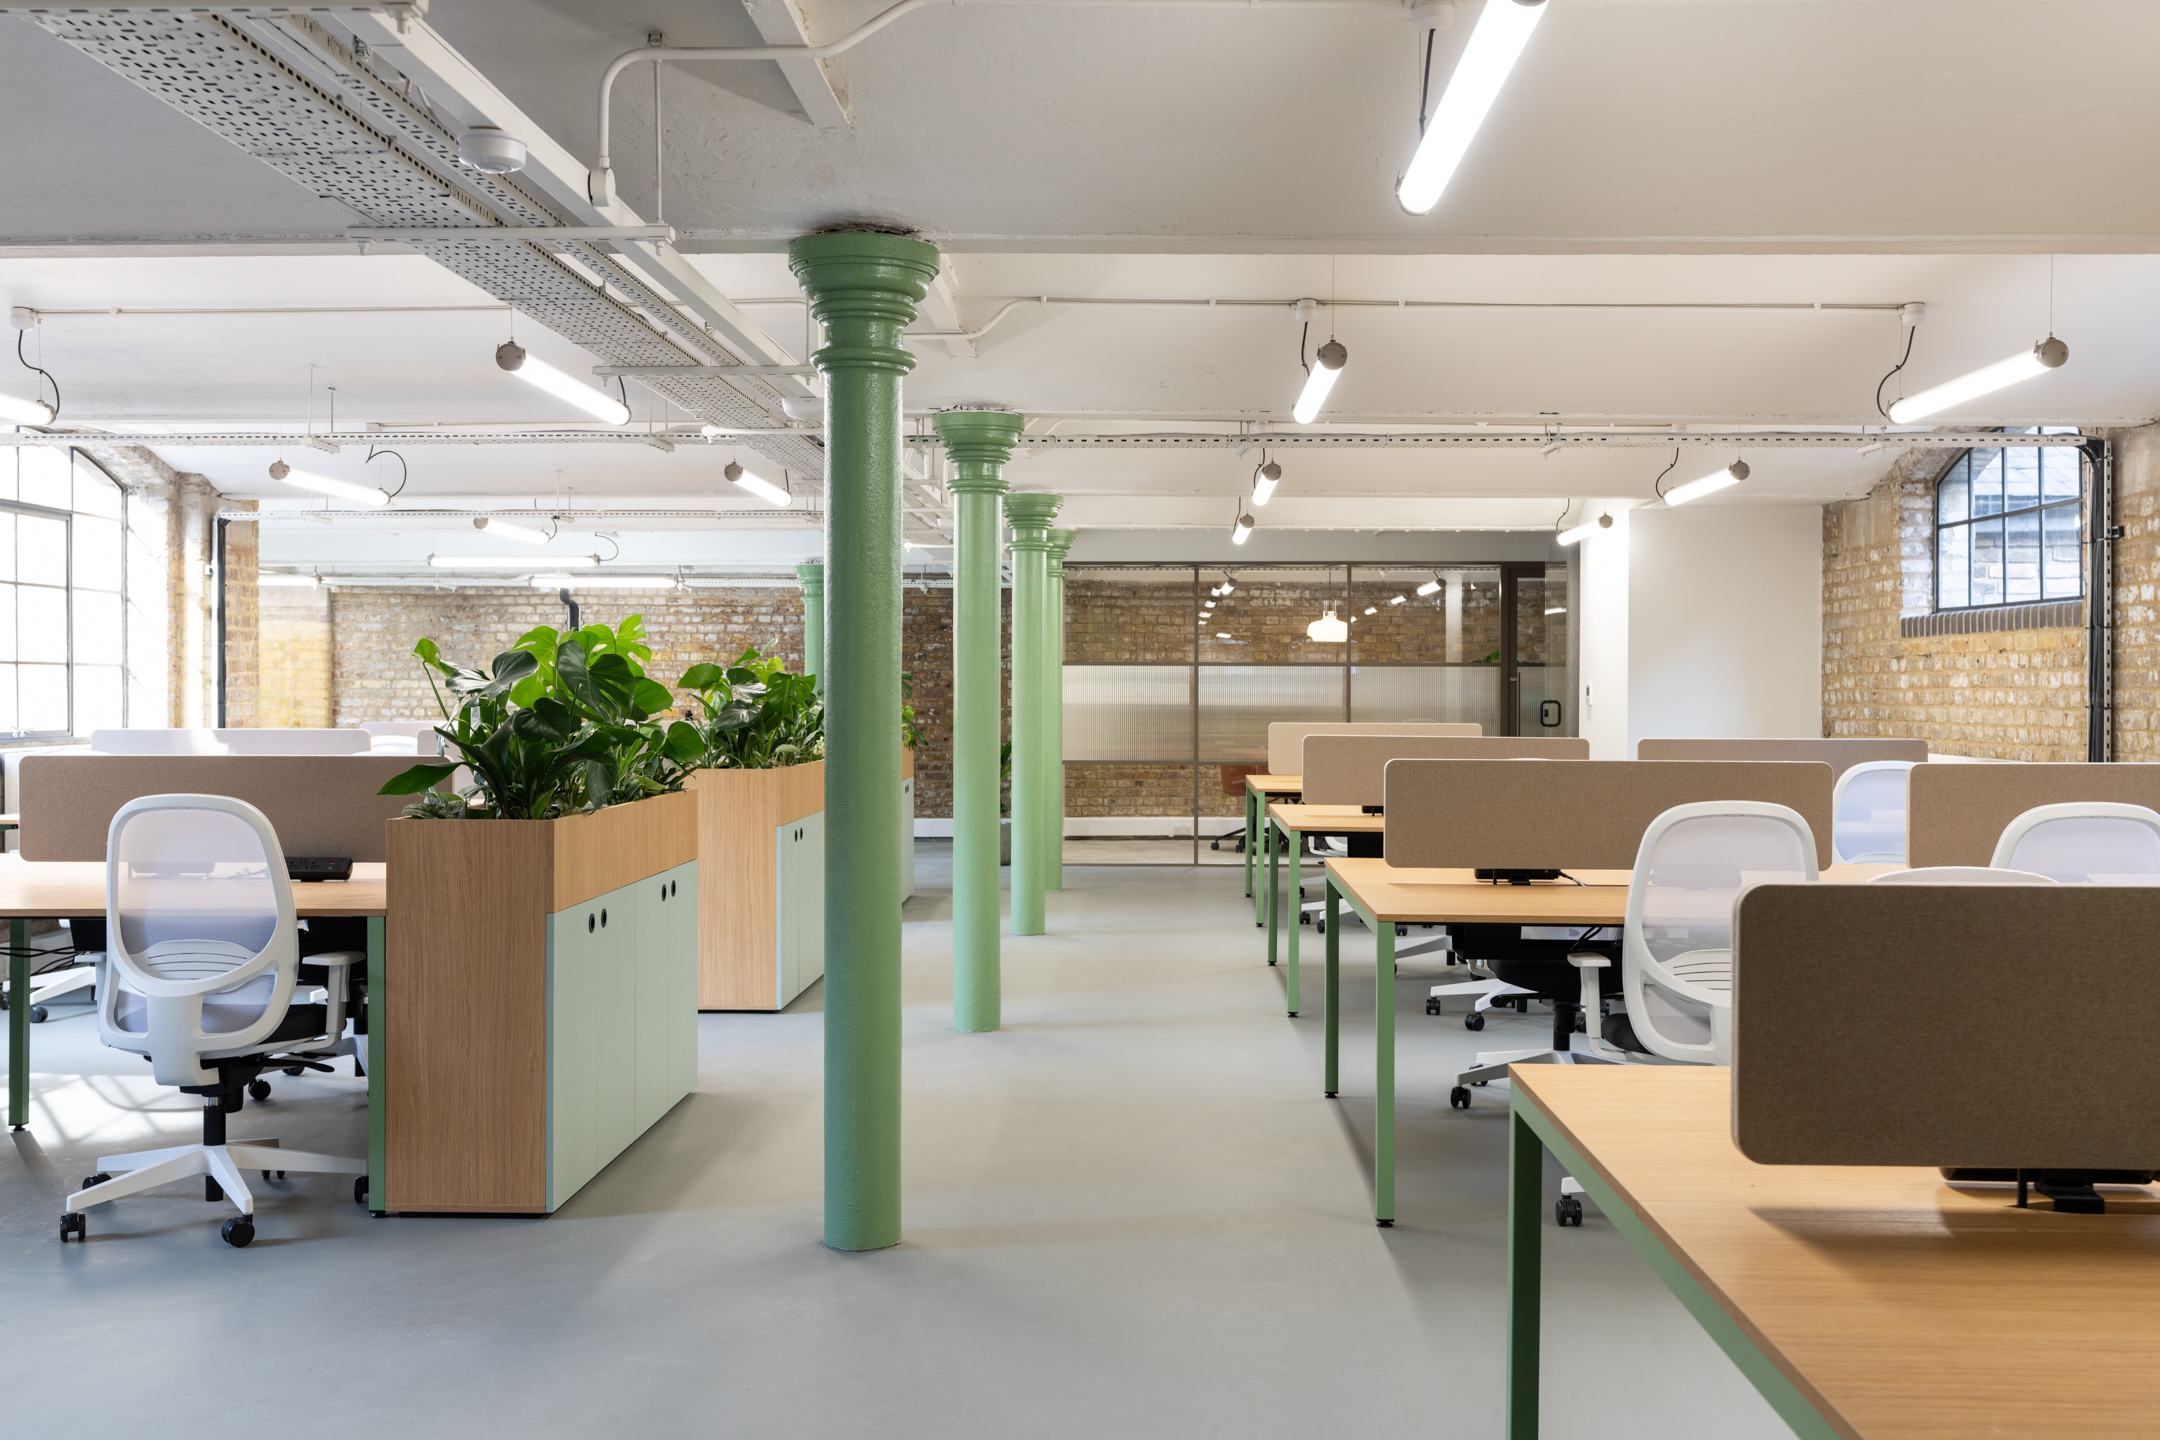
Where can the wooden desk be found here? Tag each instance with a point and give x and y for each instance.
(1259, 789)
(51, 890)
(1861, 1302)
(1296, 822)
(1385, 896)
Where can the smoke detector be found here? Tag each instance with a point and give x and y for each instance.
(486, 148)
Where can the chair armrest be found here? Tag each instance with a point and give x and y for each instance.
(336, 958)
(1589, 960)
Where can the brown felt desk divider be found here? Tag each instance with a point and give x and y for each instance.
(1286, 739)
(1956, 813)
(1910, 989)
(1839, 755)
(1585, 815)
(318, 804)
(1350, 769)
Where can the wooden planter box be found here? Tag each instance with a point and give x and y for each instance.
(540, 1000)
(761, 900)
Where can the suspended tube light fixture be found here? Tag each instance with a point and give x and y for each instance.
(757, 485)
(1710, 484)
(1266, 476)
(1585, 530)
(1503, 29)
(2049, 354)
(328, 485)
(510, 529)
(533, 370)
(1241, 530)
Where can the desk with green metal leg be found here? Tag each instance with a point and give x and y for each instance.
(1260, 790)
(1384, 897)
(1294, 823)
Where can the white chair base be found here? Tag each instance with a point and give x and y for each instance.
(52, 984)
(1481, 994)
(227, 1164)
(1493, 1064)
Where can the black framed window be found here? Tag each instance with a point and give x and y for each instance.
(2009, 527)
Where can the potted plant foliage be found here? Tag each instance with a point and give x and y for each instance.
(539, 992)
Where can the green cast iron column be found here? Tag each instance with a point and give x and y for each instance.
(1054, 712)
(978, 443)
(863, 290)
(812, 576)
(1030, 517)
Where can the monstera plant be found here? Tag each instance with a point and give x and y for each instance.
(562, 724)
(754, 715)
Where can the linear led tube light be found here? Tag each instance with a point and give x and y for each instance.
(1399, 599)
(1328, 362)
(605, 582)
(1710, 484)
(757, 485)
(326, 485)
(511, 530)
(1429, 587)
(2047, 355)
(1222, 634)
(17, 411)
(1241, 530)
(535, 371)
(1585, 530)
(1265, 479)
(512, 562)
(1503, 28)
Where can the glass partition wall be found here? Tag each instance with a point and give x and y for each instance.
(1174, 672)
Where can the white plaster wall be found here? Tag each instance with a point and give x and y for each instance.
(1602, 672)
(1724, 622)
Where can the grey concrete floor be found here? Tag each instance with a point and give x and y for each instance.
(1130, 1213)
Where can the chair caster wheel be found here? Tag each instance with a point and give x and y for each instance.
(258, 1089)
(89, 1181)
(268, 1174)
(359, 1190)
(1401, 931)
(1481, 1084)
(1304, 919)
(1432, 1007)
(74, 1224)
(1459, 1097)
(1475, 1020)
(294, 1070)
(1214, 845)
(238, 1232)
(37, 1014)
(1567, 1210)
(1319, 927)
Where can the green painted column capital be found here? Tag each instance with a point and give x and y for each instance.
(1061, 543)
(1030, 512)
(978, 442)
(863, 287)
(812, 575)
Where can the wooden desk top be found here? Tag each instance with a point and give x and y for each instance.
(1437, 897)
(1275, 784)
(1903, 1309)
(49, 889)
(1327, 819)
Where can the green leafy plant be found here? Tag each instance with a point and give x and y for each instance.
(559, 725)
(754, 714)
(911, 734)
(1005, 778)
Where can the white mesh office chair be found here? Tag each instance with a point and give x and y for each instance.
(1676, 944)
(2084, 843)
(201, 959)
(1960, 875)
(1867, 813)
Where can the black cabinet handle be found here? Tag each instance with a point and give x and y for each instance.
(588, 922)
(603, 919)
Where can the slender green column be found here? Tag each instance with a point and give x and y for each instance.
(978, 443)
(1061, 541)
(863, 290)
(1030, 517)
(812, 576)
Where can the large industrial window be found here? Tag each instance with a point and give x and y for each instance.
(62, 586)
(2008, 527)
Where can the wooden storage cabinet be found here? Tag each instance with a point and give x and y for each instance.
(622, 1021)
(761, 910)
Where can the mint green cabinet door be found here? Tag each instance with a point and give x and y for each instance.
(573, 1076)
(666, 1007)
(810, 902)
(616, 1009)
(787, 919)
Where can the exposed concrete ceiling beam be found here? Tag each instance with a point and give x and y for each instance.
(781, 22)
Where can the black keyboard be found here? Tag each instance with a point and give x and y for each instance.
(319, 867)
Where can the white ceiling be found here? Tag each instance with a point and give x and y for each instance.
(1646, 153)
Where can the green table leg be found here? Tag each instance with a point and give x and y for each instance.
(1526, 1242)
(1274, 887)
(1258, 828)
(1296, 919)
(377, 1145)
(1248, 839)
(1384, 1074)
(18, 1104)
(1332, 910)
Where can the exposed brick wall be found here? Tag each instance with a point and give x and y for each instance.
(294, 631)
(1099, 790)
(2137, 594)
(2012, 695)
(243, 640)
